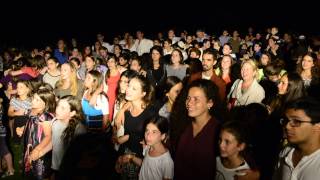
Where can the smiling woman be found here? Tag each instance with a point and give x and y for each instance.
(192, 160)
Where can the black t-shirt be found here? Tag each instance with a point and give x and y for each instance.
(134, 127)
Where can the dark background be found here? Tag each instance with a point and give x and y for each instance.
(35, 24)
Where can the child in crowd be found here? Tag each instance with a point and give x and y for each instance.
(233, 151)
(157, 163)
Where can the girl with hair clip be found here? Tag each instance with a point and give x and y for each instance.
(68, 83)
(140, 94)
(234, 159)
(96, 115)
(37, 134)
(157, 163)
(65, 127)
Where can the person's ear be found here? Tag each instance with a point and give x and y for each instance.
(73, 113)
(210, 104)
(241, 146)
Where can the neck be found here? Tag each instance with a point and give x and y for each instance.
(208, 72)
(175, 65)
(36, 111)
(65, 121)
(248, 82)
(308, 148)
(306, 72)
(158, 147)
(202, 119)
(137, 105)
(232, 162)
(23, 97)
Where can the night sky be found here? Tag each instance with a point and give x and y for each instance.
(32, 25)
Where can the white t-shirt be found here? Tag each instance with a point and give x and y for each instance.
(223, 173)
(307, 168)
(156, 168)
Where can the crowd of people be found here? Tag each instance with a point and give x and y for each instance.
(187, 106)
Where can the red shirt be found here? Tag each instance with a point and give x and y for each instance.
(195, 156)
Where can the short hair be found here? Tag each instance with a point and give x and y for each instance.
(309, 105)
(212, 52)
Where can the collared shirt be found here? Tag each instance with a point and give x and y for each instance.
(307, 168)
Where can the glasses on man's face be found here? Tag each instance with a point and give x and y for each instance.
(293, 122)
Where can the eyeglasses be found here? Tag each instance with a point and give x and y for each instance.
(293, 122)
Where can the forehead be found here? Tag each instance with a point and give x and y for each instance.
(135, 82)
(152, 126)
(196, 91)
(296, 113)
(63, 102)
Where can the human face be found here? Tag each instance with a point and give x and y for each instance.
(302, 133)
(307, 63)
(88, 81)
(63, 110)
(194, 55)
(208, 62)
(155, 55)
(134, 90)
(111, 63)
(117, 50)
(89, 62)
(37, 102)
(87, 50)
(65, 71)
(153, 135)
(189, 39)
(166, 44)
(174, 92)
(175, 57)
(257, 48)
(226, 50)
(283, 85)
(124, 81)
(197, 103)
(228, 145)
(61, 44)
(247, 72)
(122, 61)
(226, 62)
(75, 52)
(135, 66)
(264, 59)
(51, 64)
(22, 89)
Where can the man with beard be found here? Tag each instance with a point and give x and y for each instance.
(209, 59)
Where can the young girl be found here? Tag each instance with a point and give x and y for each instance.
(68, 83)
(125, 77)
(37, 134)
(96, 116)
(68, 124)
(52, 75)
(176, 67)
(172, 89)
(232, 144)
(140, 95)
(19, 106)
(157, 163)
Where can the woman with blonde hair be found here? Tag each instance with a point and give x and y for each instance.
(246, 90)
(68, 83)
